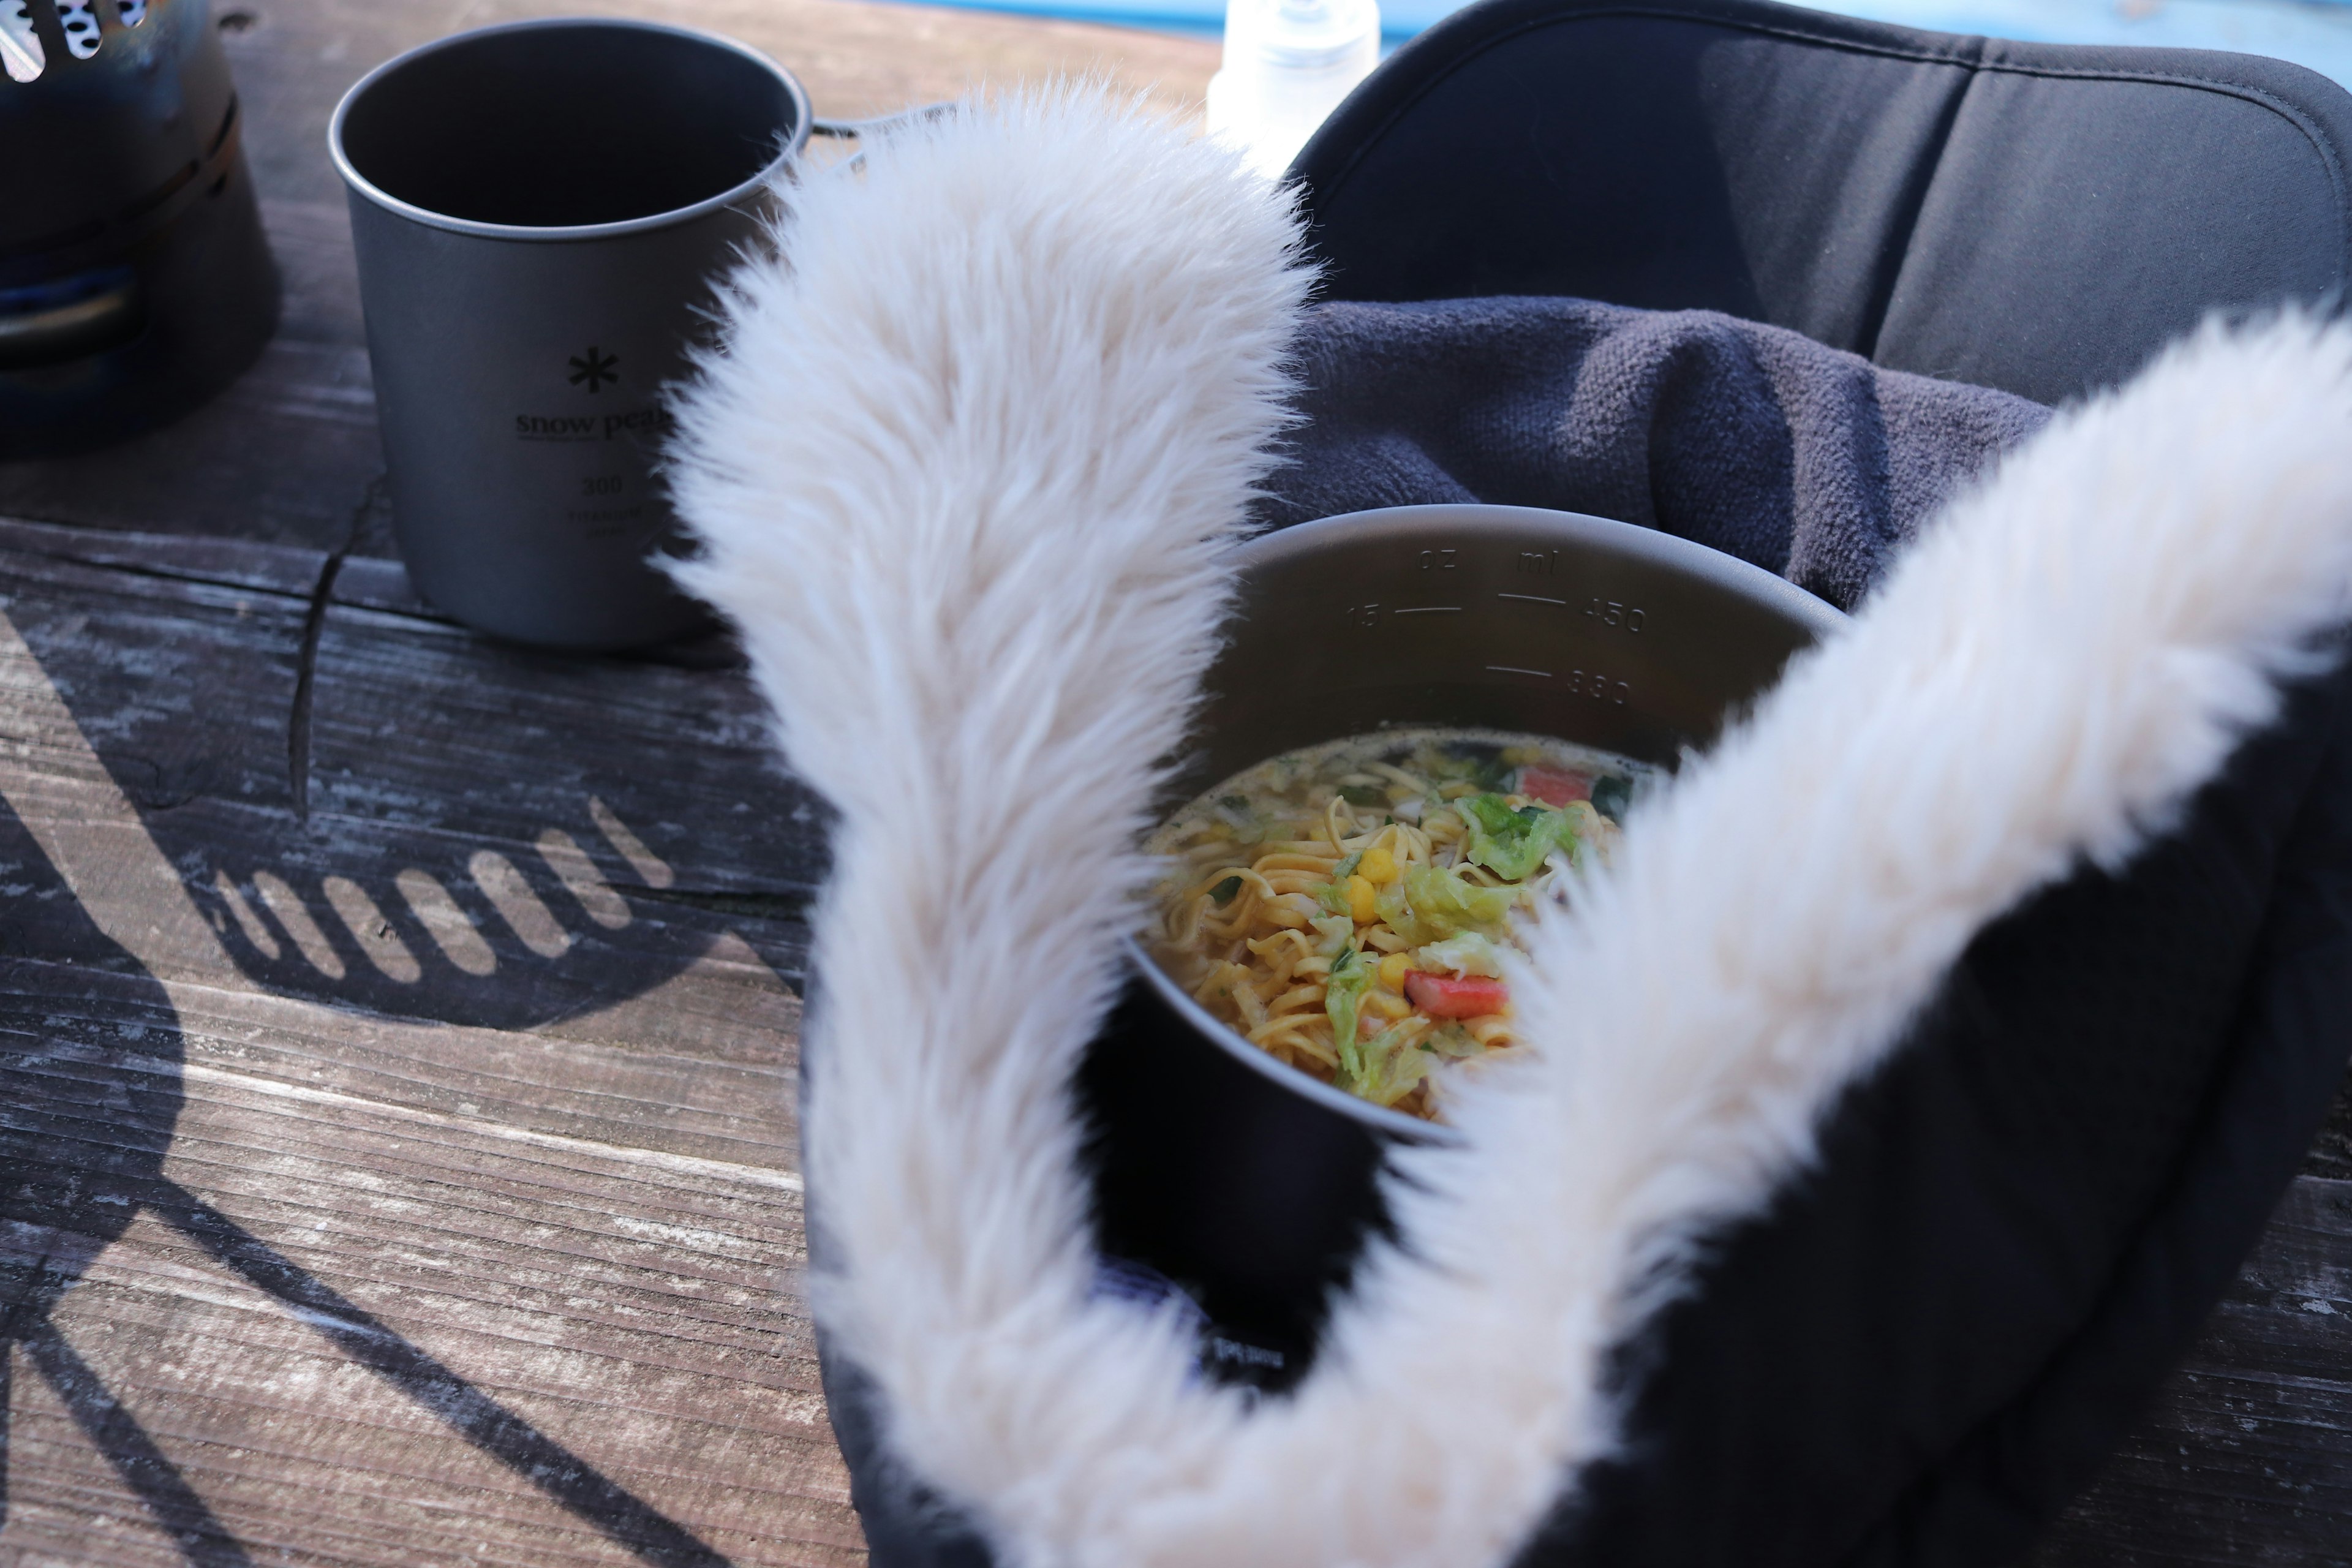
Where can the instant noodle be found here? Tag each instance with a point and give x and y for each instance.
(1344, 907)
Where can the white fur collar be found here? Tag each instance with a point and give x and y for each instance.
(970, 477)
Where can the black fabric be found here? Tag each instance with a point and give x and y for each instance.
(1931, 1343)
(905, 1523)
(906, 1526)
(1749, 440)
(2033, 217)
(2172, 199)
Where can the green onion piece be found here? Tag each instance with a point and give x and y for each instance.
(1342, 993)
(1612, 795)
(1224, 892)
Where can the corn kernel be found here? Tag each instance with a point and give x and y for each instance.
(1378, 867)
(1362, 901)
(1387, 1006)
(1394, 968)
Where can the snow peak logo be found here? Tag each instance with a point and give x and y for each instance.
(644, 422)
(594, 369)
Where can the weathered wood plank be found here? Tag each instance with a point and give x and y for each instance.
(2331, 1155)
(2246, 1456)
(200, 560)
(648, 1018)
(571, 1223)
(727, 1100)
(433, 729)
(422, 742)
(629, 1315)
(856, 60)
(285, 454)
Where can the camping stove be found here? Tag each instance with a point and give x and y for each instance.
(134, 281)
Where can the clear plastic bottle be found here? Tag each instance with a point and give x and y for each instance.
(1287, 65)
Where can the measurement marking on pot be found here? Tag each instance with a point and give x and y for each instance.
(1533, 599)
(1614, 612)
(1599, 686)
(1428, 610)
(1514, 669)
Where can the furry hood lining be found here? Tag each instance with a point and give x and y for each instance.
(970, 474)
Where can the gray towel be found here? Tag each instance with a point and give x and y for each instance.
(1757, 441)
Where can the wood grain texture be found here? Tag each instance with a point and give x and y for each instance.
(2245, 1455)
(178, 691)
(637, 1316)
(312, 1255)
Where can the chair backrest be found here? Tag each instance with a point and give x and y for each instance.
(2034, 217)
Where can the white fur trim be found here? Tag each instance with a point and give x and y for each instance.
(969, 479)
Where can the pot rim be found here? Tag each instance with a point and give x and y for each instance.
(734, 195)
(1714, 566)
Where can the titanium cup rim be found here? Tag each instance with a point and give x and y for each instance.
(735, 196)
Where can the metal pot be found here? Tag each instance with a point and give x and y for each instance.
(1245, 1181)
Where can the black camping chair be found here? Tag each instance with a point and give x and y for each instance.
(1928, 1346)
(2028, 217)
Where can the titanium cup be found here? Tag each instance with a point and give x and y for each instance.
(539, 210)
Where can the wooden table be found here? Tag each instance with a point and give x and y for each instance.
(396, 1030)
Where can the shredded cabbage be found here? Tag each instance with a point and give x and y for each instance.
(1433, 902)
(1465, 953)
(1390, 1071)
(1336, 932)
(1452, 1040)
(1512, 843)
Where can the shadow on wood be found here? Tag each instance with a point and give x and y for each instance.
(87, 1116)
(496, 838)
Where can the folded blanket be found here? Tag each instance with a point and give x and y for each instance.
(1750, 439)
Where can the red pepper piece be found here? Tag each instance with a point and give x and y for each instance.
(1554, 788)
(1446, 997)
